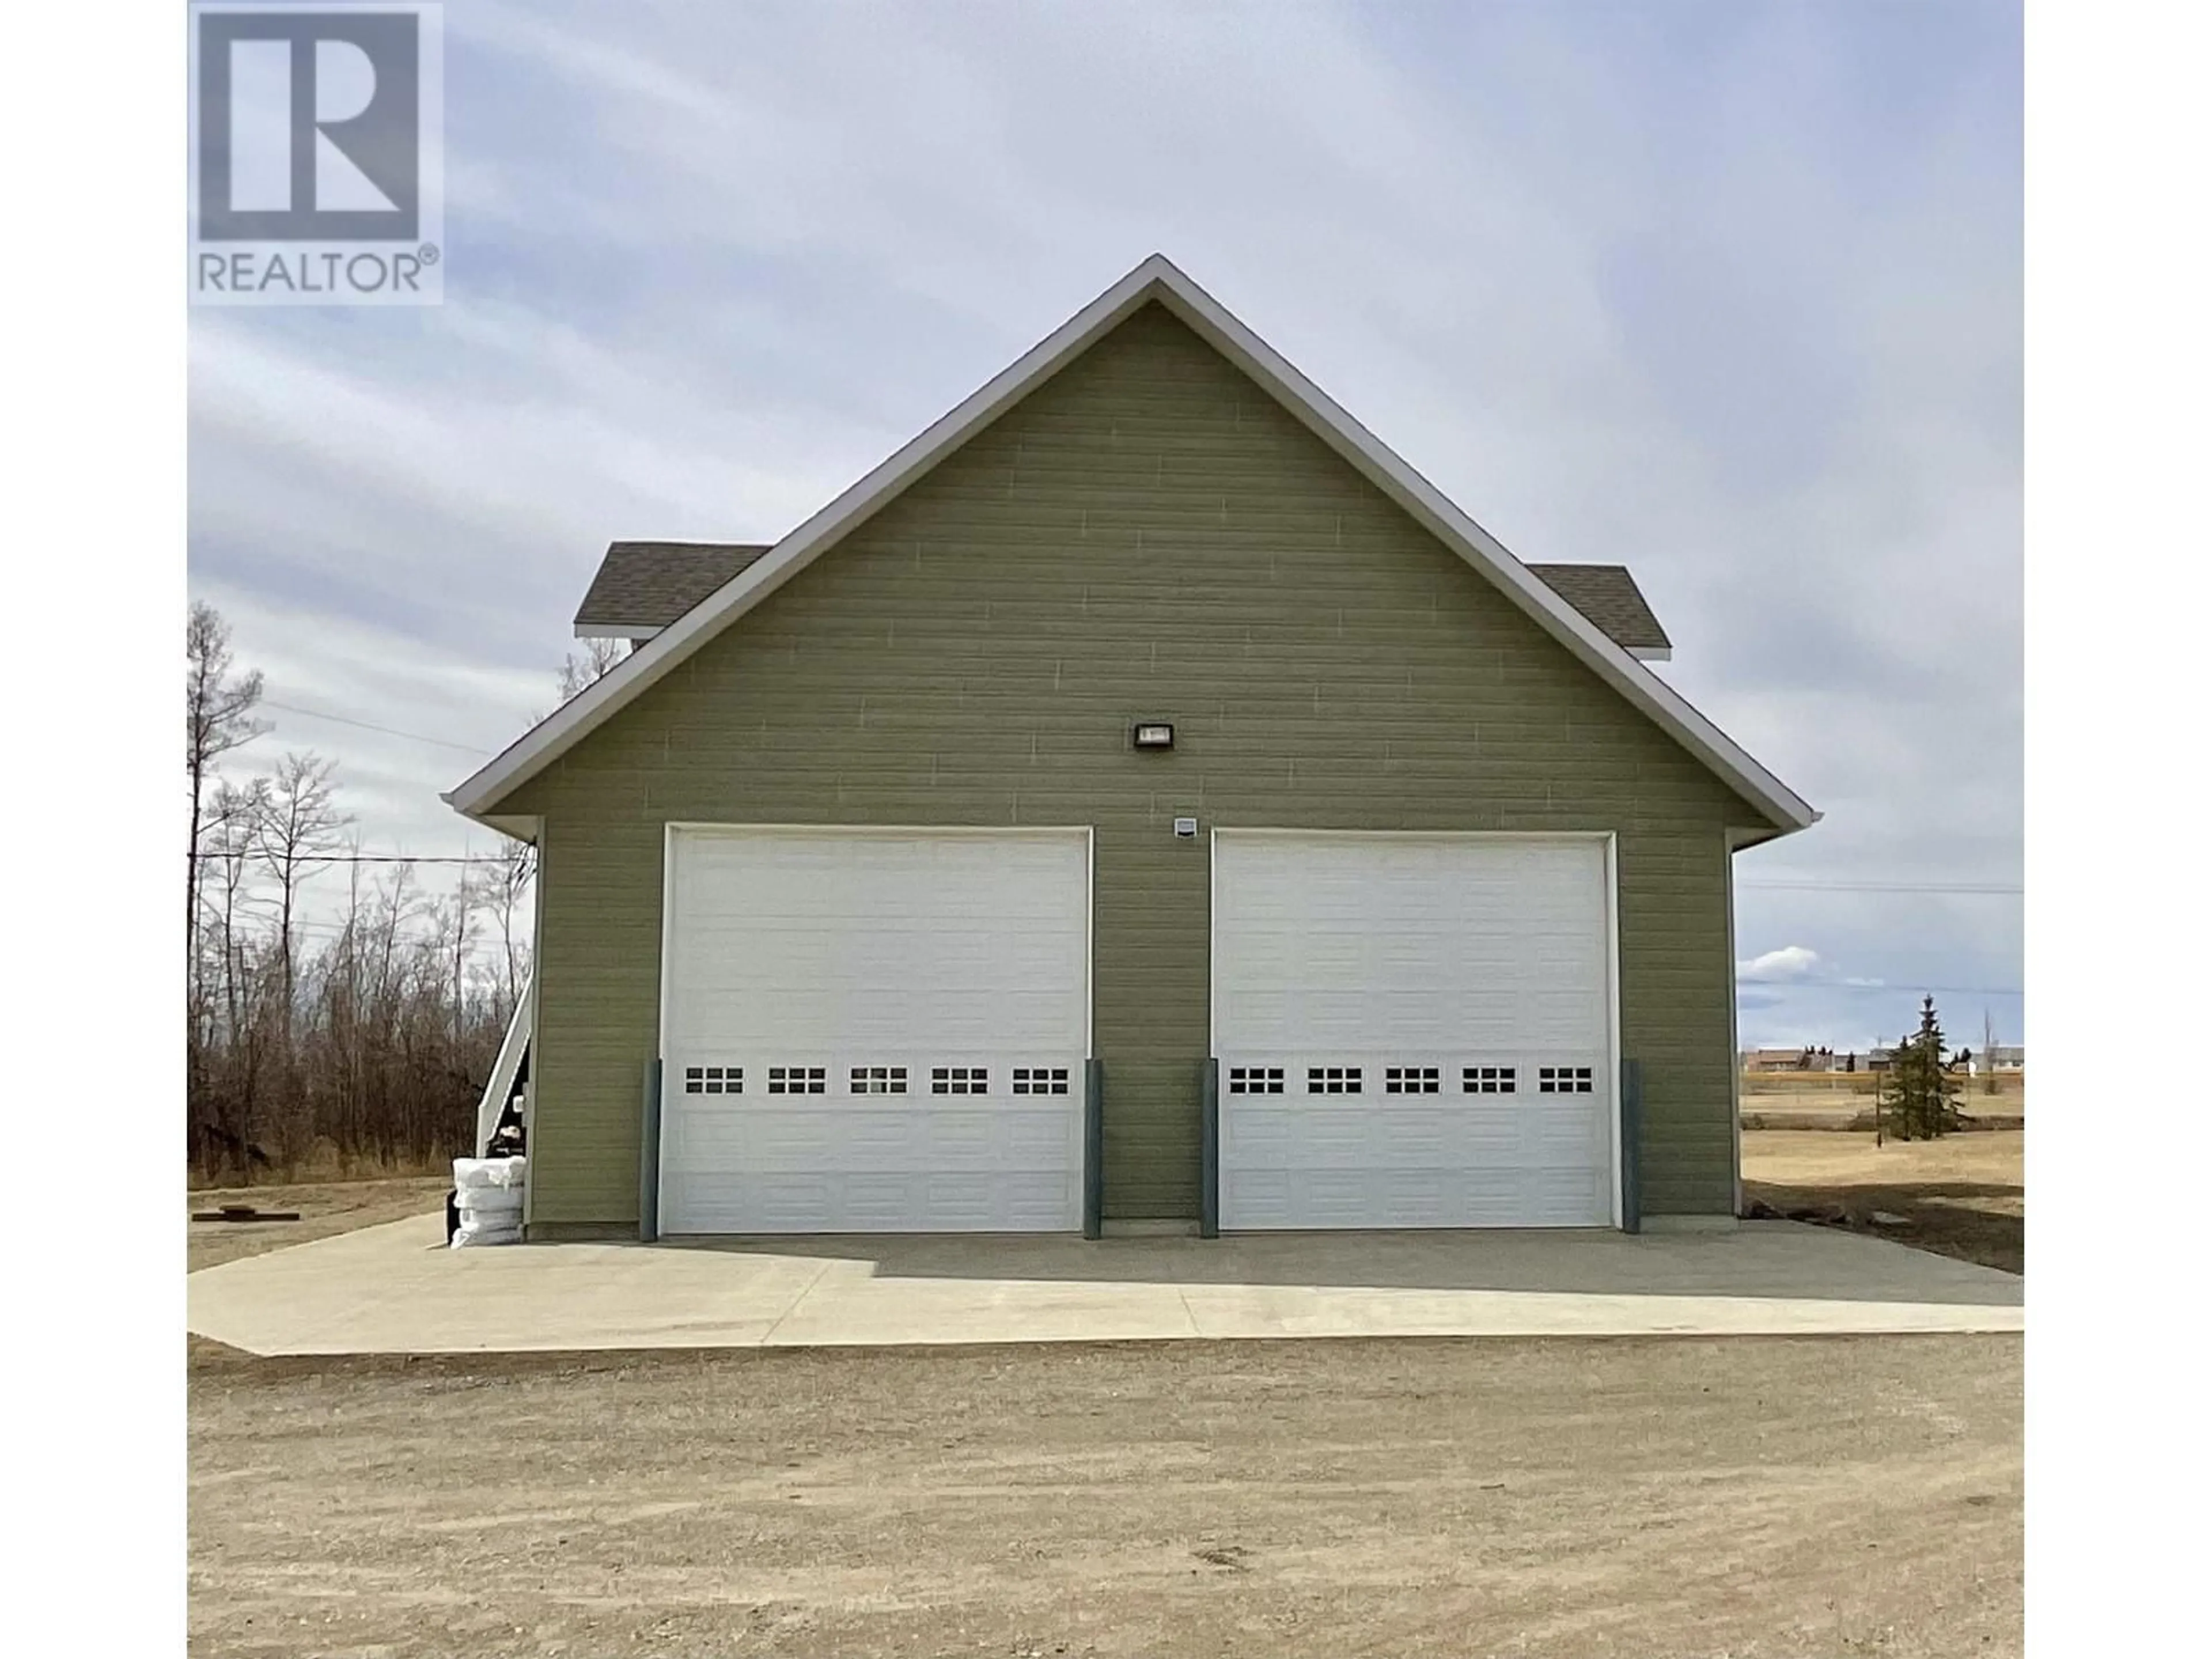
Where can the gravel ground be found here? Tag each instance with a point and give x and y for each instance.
(1738, 1498)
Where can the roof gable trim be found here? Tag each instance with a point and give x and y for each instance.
(1155, 278)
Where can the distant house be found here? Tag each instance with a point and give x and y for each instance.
(1789, 1059)
(2003, 1057)
(1965, 1060)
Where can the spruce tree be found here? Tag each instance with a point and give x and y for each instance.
(1900, 1091)
(1942, 1084)
(1923, 1098)
(1889, 1095)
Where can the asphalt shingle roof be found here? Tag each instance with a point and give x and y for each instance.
(648, 584)
(1608, 596)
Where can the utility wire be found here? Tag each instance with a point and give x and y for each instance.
(393, 857)
(1777, 886)
(371, 725)
(1990, 888)
(261, 860)
(1781, 886)
(1807, 886)
(1910, 986)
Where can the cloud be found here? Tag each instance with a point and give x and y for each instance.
(1790, 962)
(1731, 294)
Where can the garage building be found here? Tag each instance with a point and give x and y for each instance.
(1142, 800)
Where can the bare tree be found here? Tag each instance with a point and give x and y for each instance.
(218, 718)
(594, 662)
(368, 1036)
(506, 888)
(227, 1032)
(298, 822)
(226, 850)
(455, 927)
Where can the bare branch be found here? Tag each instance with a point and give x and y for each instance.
(594, 662)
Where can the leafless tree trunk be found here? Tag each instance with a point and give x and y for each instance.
(466, 895)
(299, 821)
(509, 887)
(225, 1102)
(218, 718)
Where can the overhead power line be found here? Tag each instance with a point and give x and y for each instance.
(1794, 886)
(371, 725)
(1784, 885)
(394, 857)
(1909, 986)
(263, 860)
(1966, 887)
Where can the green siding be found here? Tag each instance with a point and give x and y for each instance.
(1147, 535)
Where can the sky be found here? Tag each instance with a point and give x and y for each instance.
(1730, 293)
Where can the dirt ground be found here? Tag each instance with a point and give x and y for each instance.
(1742, 1498)
(326, 1208)
(1964, 1195)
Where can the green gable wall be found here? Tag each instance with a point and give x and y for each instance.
(1147, 535)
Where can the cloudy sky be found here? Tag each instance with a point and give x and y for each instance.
(1729, 292)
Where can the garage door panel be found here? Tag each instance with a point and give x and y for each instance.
(865, 1201)
(1409, 1198)
(899, 1019)
(1474, 967)
(1328, 1198)
(1577, 1136)
(857, 1013)
(781, 938)
(716, 1201)
(1565, 1197)
(868, 1203)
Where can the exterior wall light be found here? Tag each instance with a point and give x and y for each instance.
(1154, 734)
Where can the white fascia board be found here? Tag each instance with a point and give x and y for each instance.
(613, 631)
(1652, 653)
(1156, 278)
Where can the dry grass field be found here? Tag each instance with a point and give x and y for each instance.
(1964, 1195)
(2003, 1092)
(1840, 1100)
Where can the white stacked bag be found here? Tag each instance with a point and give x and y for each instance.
(487, 1191)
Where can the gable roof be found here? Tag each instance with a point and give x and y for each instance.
(642, 587)
(1608, 596)
(1155, 280)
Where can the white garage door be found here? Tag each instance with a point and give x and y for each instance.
(870, 1031)
(1412, 1031)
